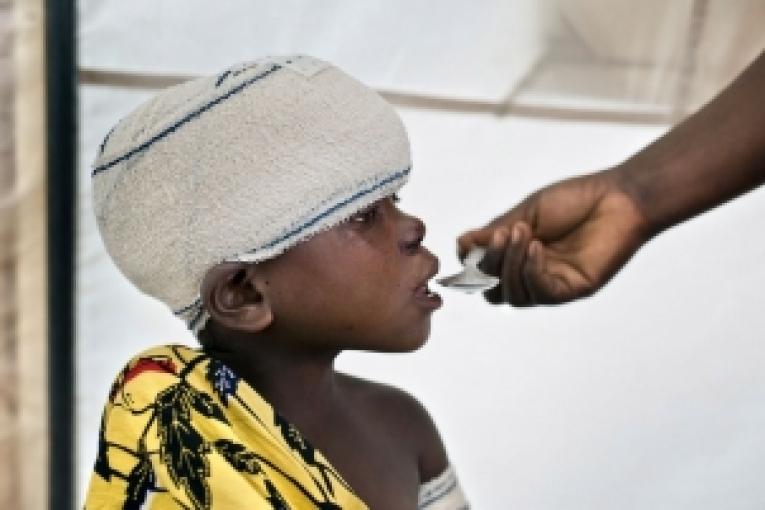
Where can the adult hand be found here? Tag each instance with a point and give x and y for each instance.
(561, 243)
(566, 240)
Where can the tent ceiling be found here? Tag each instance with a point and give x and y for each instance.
(653, 59)
(457, 49)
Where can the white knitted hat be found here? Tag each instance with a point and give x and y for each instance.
(240, 166)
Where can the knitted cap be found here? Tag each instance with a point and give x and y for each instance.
(240, 167)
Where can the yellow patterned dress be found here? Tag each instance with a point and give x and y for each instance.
(182, 431)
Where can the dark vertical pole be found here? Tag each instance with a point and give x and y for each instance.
(61, 92)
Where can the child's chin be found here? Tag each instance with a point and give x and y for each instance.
(410, 344)
(397, 342)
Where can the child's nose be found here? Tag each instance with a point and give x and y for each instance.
(413, 234)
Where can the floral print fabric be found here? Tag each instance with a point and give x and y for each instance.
(181, 431)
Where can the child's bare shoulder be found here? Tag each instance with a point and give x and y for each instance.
(400, 415)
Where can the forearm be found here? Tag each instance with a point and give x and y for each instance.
(715, 155)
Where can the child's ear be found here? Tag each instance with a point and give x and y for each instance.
(231, 295)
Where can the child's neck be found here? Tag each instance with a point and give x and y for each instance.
(300, 385)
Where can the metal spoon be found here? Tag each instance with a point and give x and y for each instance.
(471, 279)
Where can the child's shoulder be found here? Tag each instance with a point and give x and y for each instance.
(152, 369)
(386, 398)
(400, 415)
(168, 358)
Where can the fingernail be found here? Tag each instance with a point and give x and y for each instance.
(516, 235)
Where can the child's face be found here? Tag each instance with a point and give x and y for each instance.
(359, 285)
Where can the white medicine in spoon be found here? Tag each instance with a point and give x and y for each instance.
(471, 279)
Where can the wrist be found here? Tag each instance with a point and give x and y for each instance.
(625, 182)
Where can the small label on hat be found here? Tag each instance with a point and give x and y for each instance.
(301, 64)
(307, 66)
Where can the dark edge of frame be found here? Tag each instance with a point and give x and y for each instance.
(62, 135)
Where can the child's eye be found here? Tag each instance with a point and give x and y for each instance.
(366, 216)
(394, 198)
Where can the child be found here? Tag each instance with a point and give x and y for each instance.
(259, 205)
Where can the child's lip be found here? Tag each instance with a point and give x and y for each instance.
(427, 298)
(424, 295)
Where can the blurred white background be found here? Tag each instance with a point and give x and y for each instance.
(650, 395)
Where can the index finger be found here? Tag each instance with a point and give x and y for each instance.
(482, 236)
(472, 238)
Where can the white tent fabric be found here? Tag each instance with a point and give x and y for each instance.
(393, 45)
(648, 395)
(653, 56)
(655, 51)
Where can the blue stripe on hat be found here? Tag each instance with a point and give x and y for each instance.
(393, 177)
(186, 308)
(190, 116)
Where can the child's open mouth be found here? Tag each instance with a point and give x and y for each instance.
(427, 298)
